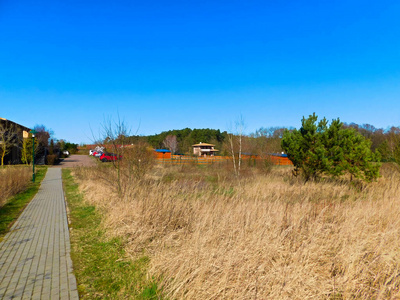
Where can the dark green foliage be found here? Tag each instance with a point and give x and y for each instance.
(317, 149)
(67, 146)
(305, 149)
(383, 141)
(71, 147)
(384, 150)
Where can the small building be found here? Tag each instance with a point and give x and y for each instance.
(162, 153)
(204, 149)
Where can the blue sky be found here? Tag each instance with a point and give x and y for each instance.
(164, 65)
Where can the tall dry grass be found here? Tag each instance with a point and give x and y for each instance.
(13, 180)
(267, 237)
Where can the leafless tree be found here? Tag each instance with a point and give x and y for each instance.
(8, 139)
(134, 160)
(43, 135)
(171, 143)
(113, 136)
(235, 139)
(268, 139)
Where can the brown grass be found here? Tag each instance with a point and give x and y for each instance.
(13, 180)
(267, 237)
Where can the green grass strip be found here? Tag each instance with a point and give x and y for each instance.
(102, 269)
(14, 207)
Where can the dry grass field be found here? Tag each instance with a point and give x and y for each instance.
(267, 236)
(13, 180)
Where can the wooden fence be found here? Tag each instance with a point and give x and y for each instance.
(254, 160)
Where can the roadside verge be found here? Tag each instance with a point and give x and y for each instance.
(101, 266)
(14, 207)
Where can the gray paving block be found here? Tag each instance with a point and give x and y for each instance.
(35, 258)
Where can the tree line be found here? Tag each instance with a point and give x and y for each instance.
(384, 142)
(316, 148)
(181, 141)
(185, 138)
(266, 139)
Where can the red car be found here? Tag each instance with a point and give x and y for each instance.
(109, 157)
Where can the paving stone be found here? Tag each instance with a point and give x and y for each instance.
(35, 258)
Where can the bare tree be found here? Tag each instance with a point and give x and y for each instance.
(235, 139)
(269, 139)
(171, 143)
(114, 135)
(8, 139)
(43, 135)
(134, 160)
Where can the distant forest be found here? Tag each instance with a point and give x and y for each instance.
(185, 138)
(265, 140)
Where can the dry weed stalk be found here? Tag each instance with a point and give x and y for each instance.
(12, 181)
(273, 238)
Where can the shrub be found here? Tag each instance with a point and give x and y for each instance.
(137, 160)
(52, 159)
(318, 149)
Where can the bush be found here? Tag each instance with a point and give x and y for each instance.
(137, 161)
(52, 159)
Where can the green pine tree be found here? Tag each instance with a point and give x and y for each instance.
(384, 150)
(316, 149)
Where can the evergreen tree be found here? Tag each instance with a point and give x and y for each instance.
(385, 152)
(305, 149)
(318, 149)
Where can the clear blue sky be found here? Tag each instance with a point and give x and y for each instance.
(198, 64)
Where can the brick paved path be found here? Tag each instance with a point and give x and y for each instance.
(35, 258)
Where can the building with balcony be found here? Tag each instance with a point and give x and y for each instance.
(204, 149)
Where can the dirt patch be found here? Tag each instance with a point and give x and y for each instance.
(77, 161)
